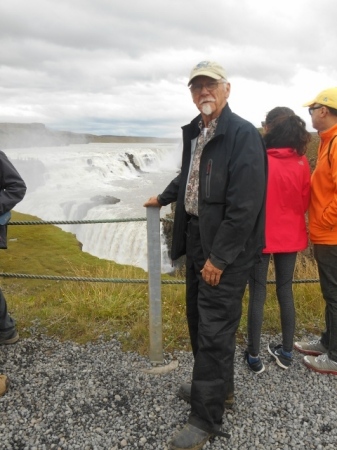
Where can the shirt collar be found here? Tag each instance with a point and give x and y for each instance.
(212, 125)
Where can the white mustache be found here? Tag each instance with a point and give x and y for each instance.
(206, 100)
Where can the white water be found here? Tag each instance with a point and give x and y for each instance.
(73, 183)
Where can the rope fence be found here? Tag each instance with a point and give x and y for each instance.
(103, 280)
(154, 280)
(75, 222)
(116, 280)
(98, 280)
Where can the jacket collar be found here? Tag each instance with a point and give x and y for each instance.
(223, 120)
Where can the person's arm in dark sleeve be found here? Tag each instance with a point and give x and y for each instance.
(170, 193)
(12, 186)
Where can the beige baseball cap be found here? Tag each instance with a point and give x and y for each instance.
(328, 97)
(209, 69)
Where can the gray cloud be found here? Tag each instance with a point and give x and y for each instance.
(114, 67)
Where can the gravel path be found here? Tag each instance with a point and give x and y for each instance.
(67, 396)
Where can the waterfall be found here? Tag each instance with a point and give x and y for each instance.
(97, 182)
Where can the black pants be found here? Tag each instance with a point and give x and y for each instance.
(213, 315)
(326, 258)
(6, 322)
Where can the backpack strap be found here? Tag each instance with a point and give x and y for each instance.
(330, 144)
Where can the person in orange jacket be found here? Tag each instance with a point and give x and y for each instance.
(321, 354)
(288, 195)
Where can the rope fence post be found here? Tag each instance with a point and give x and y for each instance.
(154, 284)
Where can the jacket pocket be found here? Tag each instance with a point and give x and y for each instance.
(208, 177)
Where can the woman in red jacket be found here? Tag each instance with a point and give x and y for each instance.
(288, 195)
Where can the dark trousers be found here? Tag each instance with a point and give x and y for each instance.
(6, 322)
(213, 315)
(284, 270)
(326, 258)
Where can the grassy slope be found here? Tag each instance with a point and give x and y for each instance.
(80, 311)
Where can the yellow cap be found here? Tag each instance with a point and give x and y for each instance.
(209, 69)
(328, 97)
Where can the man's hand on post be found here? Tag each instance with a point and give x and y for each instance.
(211, 274)
(152, 201)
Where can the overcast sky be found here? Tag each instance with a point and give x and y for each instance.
(121, 67)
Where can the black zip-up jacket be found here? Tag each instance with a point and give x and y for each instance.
(232, 189)
(12, 186)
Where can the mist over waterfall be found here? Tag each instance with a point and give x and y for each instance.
(97, 182)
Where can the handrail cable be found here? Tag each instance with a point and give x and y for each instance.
(74, 222)
(101, 280)
(115, 280)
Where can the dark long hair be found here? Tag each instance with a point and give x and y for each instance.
(285, 129)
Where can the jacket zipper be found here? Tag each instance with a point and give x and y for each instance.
(208, 177)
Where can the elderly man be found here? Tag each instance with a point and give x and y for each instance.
(322, 353)
(219, 225)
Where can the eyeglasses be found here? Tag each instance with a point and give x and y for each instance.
(210, 86)
(312, 108)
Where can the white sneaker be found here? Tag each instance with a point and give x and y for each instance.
(314, 347)
(321, 364)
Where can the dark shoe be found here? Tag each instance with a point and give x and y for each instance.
(254, 363)
(321, 364)
(9, 337)
(313, 348)
(190, 437)
(4, 383)
(184, 392)
(282, 359)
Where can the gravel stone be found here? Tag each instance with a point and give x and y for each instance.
(96, 397)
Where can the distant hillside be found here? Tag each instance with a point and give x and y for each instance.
(18, 135)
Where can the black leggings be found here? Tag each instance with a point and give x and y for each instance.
(284, 270)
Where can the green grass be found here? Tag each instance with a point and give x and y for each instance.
(85, 311)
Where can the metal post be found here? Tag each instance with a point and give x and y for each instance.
(154, 271)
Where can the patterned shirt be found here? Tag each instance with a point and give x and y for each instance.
(192, 187)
